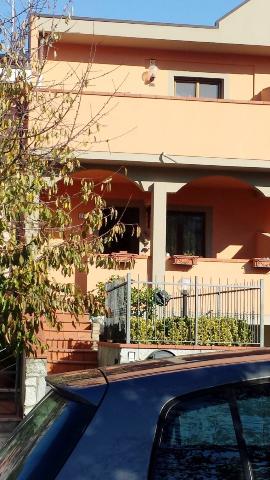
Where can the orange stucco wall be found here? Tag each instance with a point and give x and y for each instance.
(150, 120)
(176, 126)
(137, 122)
(237, 216)
(122, 68)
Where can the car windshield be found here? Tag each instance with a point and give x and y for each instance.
(41, 444)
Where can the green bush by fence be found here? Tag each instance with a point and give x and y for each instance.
(177, 330)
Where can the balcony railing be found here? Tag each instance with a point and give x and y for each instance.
(178, 126)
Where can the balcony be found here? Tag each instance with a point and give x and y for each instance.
(177, 126)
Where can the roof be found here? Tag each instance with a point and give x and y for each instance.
(94, 377)
(245, 29)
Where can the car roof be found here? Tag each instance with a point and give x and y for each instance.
(103, 375)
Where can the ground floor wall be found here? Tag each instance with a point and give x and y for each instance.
(117, 353)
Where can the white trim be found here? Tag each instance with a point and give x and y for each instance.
(177, 160)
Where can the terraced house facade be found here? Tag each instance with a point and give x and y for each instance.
(188, 121)
(184, 138)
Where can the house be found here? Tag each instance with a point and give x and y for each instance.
(188, 122)
(184, 138)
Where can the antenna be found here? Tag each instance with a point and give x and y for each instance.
(13, 15)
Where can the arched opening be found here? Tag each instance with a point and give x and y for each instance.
(129, 201)
(217, 217)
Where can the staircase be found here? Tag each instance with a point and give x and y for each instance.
(74, 347)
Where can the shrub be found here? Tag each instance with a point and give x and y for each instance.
(177, 330)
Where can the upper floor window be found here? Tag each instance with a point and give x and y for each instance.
(198, 87)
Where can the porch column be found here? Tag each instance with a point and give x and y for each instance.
(158, 229)
(158, 225)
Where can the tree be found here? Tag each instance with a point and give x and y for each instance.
(39, 130)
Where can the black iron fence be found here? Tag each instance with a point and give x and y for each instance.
(189, 311)
(10, 384)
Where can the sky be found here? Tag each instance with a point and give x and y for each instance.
(196, 12)
(199, 12)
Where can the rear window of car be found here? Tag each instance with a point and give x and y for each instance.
(221, 434)
(44, 440)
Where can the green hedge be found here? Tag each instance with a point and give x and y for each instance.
(177, 330)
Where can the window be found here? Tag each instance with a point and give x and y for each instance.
(198, 87)
(186, 233)
(38, 443)
(223, 434)
(128, 242)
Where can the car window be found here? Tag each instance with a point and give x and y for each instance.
(198, 441)
(43, 441)
(221, 434)
(254, 410)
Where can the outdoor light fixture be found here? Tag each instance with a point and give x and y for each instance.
(150, 75)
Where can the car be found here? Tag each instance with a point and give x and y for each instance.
(196, 417)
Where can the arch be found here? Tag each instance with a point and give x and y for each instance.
(99, 173)
(229, 181)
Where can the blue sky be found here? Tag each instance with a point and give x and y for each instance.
(200, 12)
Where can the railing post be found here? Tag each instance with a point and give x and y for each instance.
(218, 302)
(185, 304)
(261, 313)
(128, 308)
(196, 311)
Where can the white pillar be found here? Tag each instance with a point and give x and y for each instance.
(158, 229)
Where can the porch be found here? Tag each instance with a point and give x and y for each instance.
(211, 225)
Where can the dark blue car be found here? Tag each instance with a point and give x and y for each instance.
(201, 417)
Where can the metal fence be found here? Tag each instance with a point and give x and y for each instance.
(10, 384)
(189, 311)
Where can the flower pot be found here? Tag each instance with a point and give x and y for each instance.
(122, 257)
(261, 262)
(185, 260)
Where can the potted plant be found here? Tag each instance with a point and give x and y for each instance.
(187, 259)
(122, 256)
(263, 262)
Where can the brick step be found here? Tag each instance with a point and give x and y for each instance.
(85, 335)
(81, 325)
(67, 367)
(69, 355)
(70, 340)
(71, 350)
(73, 362)
(71, 345)
(73, 353)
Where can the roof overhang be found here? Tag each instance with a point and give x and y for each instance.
(244, 30)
